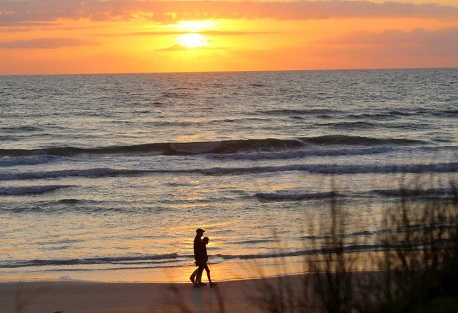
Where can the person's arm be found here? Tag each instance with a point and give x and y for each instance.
(203, 256)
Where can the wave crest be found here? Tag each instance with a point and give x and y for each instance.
(291, 196)
(211, 147)
(30, 190)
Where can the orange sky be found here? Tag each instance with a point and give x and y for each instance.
(125, 36)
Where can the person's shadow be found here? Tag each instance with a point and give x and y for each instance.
(208, 300)
(202, 300)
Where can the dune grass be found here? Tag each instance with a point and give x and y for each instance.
(415, 269)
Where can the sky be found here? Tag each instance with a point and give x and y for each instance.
(152, 36)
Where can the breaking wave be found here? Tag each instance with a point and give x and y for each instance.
(292, 196)
(29, 190)
(211, 147)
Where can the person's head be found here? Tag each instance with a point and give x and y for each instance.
(200, 232)
(205, 240)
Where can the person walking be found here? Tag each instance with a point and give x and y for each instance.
(204, 259)
(196, 276)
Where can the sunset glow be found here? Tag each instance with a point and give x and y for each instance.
(74, 36)
(192, 40)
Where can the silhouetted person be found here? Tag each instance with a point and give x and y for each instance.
(203, 256)
(196, 276)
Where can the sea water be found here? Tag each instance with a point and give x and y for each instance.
(101, 173)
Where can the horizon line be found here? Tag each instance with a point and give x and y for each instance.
(233, 71)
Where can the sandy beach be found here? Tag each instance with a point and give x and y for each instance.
(88, 297)
(145, 291)
(150, 290)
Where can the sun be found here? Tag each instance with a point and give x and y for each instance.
(192, 40)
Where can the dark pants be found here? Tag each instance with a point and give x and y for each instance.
(201, 268)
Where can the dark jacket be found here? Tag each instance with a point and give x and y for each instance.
(197, 248)
(201, 256)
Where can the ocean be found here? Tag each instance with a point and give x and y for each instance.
(102, 174)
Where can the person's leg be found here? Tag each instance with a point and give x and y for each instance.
(207, 269)
(208, 273)
(193, 275)
(199, 274)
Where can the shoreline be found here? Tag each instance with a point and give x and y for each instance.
(233, 270)
(238, 290)
(142, 290)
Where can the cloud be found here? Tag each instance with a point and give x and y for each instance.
(173, 48)
(394, 48)
(202, 32)
(45, 43)
(443, 38)
(179, 47)
(20, 12)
